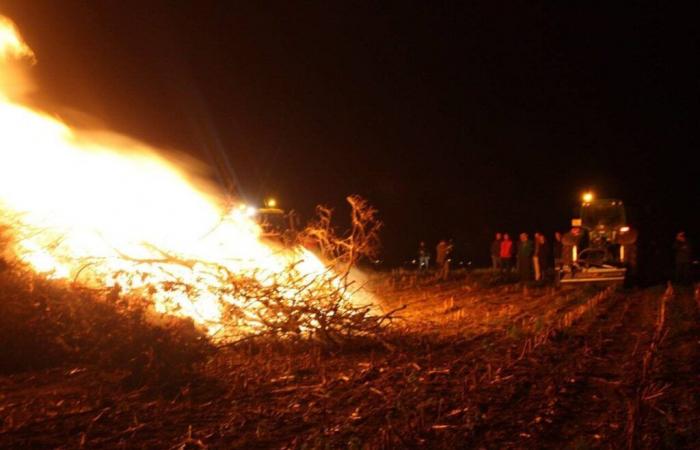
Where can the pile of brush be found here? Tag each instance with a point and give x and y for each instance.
(48, 323)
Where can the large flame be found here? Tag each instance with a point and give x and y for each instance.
(104, 209)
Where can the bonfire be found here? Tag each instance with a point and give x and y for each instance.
(106, 211)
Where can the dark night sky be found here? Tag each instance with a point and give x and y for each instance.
(453, 119)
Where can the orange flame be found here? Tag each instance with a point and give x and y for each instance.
(99, 207)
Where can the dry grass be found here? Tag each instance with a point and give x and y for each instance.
(469, 364)
(47, 323)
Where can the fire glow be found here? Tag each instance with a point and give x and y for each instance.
(105, 210)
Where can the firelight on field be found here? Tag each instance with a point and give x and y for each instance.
(105, 209)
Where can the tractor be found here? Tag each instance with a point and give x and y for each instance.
(276, 224)
(600, 247)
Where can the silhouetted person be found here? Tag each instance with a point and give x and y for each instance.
(448, 260)
(423, 256)
(525, 258)
(570, 241)
(628, 244)
(496, 252)
(441, 251)
(543, 256)
(683, 252)
(506, 253)
(557, 250)
(536, 257)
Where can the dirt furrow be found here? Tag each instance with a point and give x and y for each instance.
(570, 390)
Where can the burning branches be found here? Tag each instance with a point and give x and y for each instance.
(130, 320)
(274, 291)
(344, 251)
(325, 303)
(292, 307)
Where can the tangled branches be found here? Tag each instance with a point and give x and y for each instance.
(282, 291)
(344, 251)
(288, 305)
(324, 302)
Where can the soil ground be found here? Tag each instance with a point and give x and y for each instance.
(470, 364)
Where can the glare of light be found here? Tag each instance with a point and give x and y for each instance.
(271, 203)
(588, 197)
(624, 229)
(251, 211)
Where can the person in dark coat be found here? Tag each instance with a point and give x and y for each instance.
(525, 251)
(423, 256)
(496, 252)
(683, 253)
(557, 249)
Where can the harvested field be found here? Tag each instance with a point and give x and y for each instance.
(469, 364)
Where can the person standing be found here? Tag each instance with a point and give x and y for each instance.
(448, 259)
(496, 252)
(683, 253)
(506, 253)
(571, 245)
(441, 256)
(423, 256)
(543, 256)
(525, 258)
(628, 255)
(536, 256)
(557, 250)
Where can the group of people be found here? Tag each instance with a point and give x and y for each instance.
(531, 259)
(534, 259)
(443, 250)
